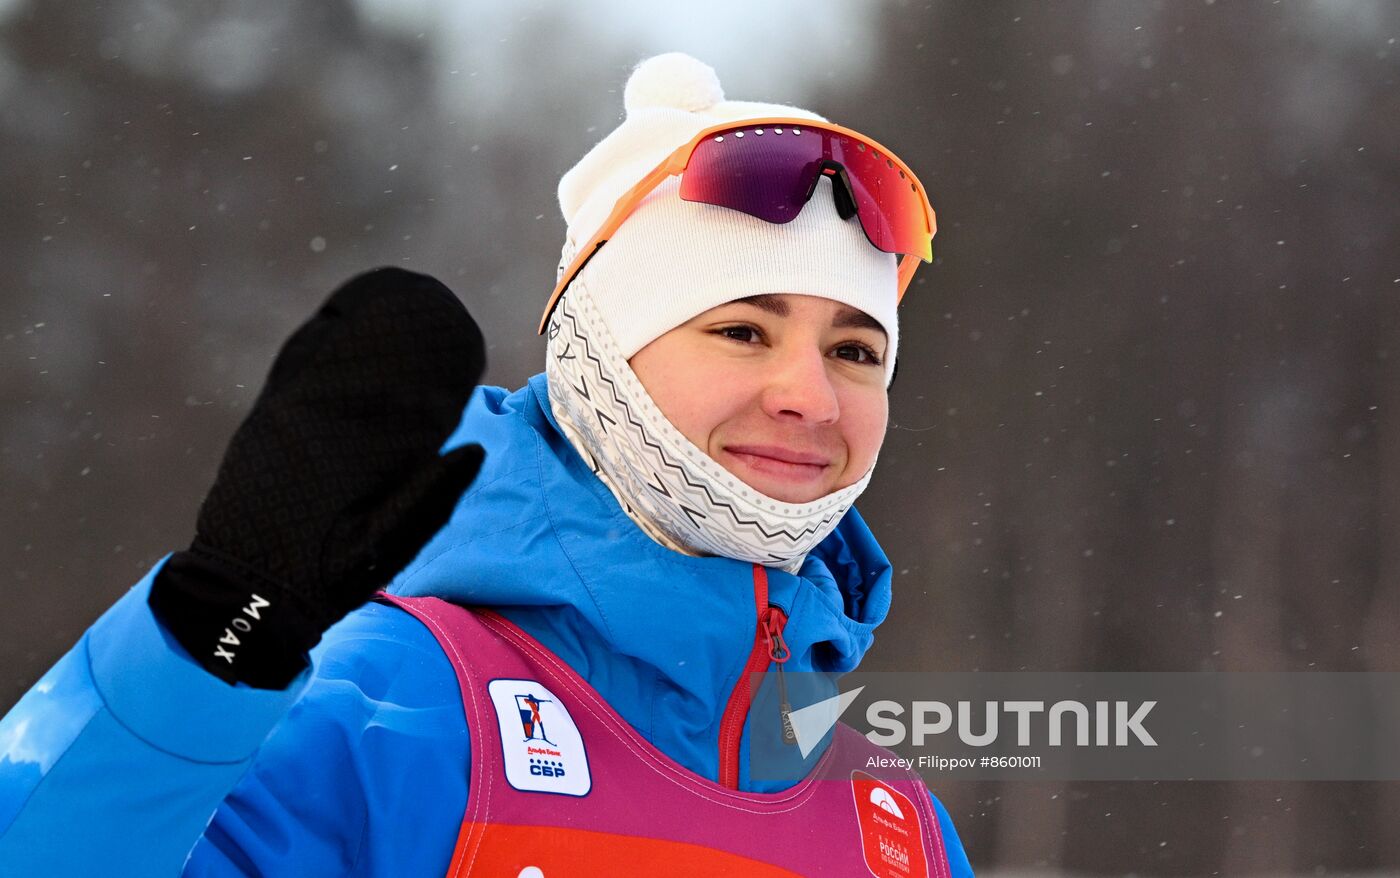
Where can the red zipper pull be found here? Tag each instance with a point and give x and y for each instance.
(773, 622)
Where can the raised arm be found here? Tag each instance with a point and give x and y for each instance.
(117, 758)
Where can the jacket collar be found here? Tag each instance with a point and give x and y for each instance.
(662, 636)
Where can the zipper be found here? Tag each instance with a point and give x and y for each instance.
(778, 653)
(768, 646)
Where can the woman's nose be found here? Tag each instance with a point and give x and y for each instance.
(798, 386)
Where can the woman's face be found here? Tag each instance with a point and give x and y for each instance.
(785, 391)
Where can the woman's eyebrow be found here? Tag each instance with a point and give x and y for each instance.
(847, 318)
(850, 317)
(770, 302)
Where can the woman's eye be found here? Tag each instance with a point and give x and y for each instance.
(739, 333)
(857, 353)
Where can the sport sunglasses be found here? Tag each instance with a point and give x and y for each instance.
(768, 168)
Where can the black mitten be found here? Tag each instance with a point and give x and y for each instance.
(333, 483)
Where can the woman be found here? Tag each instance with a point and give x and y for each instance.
(663, 512)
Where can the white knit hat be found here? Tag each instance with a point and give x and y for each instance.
(673, 259)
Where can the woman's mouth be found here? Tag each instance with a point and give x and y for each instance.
(786, 464)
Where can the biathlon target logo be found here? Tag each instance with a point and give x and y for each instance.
(882, 799)
(541, 747)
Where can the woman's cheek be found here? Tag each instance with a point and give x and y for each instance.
(696, 409)
(866, 415)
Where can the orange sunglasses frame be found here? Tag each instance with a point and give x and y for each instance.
(675, 165)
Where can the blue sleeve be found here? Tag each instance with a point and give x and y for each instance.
(958, 866)
(116, 759)
(368, 772)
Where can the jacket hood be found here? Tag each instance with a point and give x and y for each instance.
(663, 637)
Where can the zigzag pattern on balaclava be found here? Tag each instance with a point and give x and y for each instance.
(674, 491)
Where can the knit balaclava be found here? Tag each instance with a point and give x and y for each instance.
(668, 262)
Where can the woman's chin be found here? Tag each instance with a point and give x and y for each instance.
(796, 498)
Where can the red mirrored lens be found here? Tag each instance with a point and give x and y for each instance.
(771, 176)
(890, 207)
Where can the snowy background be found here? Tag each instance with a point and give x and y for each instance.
(1149, 398)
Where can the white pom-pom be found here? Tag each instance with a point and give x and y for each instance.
(673, 80)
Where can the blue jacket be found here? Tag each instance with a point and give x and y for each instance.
(119, 756)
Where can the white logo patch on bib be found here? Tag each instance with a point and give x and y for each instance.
(541, 746)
